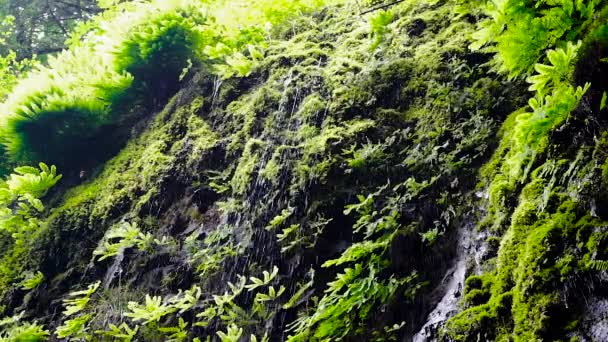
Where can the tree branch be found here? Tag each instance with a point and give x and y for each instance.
(80, 8)
(381, 7)
(57, 21)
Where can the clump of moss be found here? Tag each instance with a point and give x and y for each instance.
(364, 150)
(538, 250)
(248, 163)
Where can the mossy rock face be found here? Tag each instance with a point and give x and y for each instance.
(547, 224)
(349, 160)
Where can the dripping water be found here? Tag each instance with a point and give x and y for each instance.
(452, 287)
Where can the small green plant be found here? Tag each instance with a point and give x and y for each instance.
(122, 333)
(367, 155)
(224, 304)
(127, 235)
(233, 334)
(236, 64)
(430, 236)
(522, 31)
(291, 235)
(151, 311)
(257, 282)
(302, 288)
(254, 338)
(32, 280)
(184, 301)
(29, 182)
(208, 255)
(378, 26)
(79, 300)
(75, 327)
(31, 332)
(278, 220)
(20, 207)
(559, 72)
(599, 265)
(12, 329)
(271, 295)
(178, 333)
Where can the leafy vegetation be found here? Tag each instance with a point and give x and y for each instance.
(137, 55)
(521, 31)
(41, 27)
(20, 208)
(309, 174)
(535, 182)
(12, 329)
(379, 23)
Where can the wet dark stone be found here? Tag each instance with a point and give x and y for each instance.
(416, 28)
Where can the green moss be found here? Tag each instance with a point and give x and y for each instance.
(272, 170)
(245, 111)
(480, 322)
(321, 120)
(312, 107)
(57, 110)
(248, 163)
(129, 185)
(535, 253)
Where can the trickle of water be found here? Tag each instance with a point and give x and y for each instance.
(217, 83)
(114, 269)
(453, 284)
(447, 306)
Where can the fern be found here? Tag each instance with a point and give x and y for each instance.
(30, 181)
(257, 282)
(271, 295)
(223, 303)
(55, 109)
(378, 26)
(24, 332)
(556, 97)
(75, 327)
(178, 333)
(32, 280)
(361, 250)
(299, 294)
(79, 299)
(151, 311)
(265, 338)
(278, 220)
(122, 333)
(599, 265)
(127, 235)
(12, 329)
(288, 232)
(349, 300)
(367, 155)
(523, 30)
(184, 301)
(559, 72)
(233, 334)
(20, 208)
(158, 47)
(430, 236)
(236, 64)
